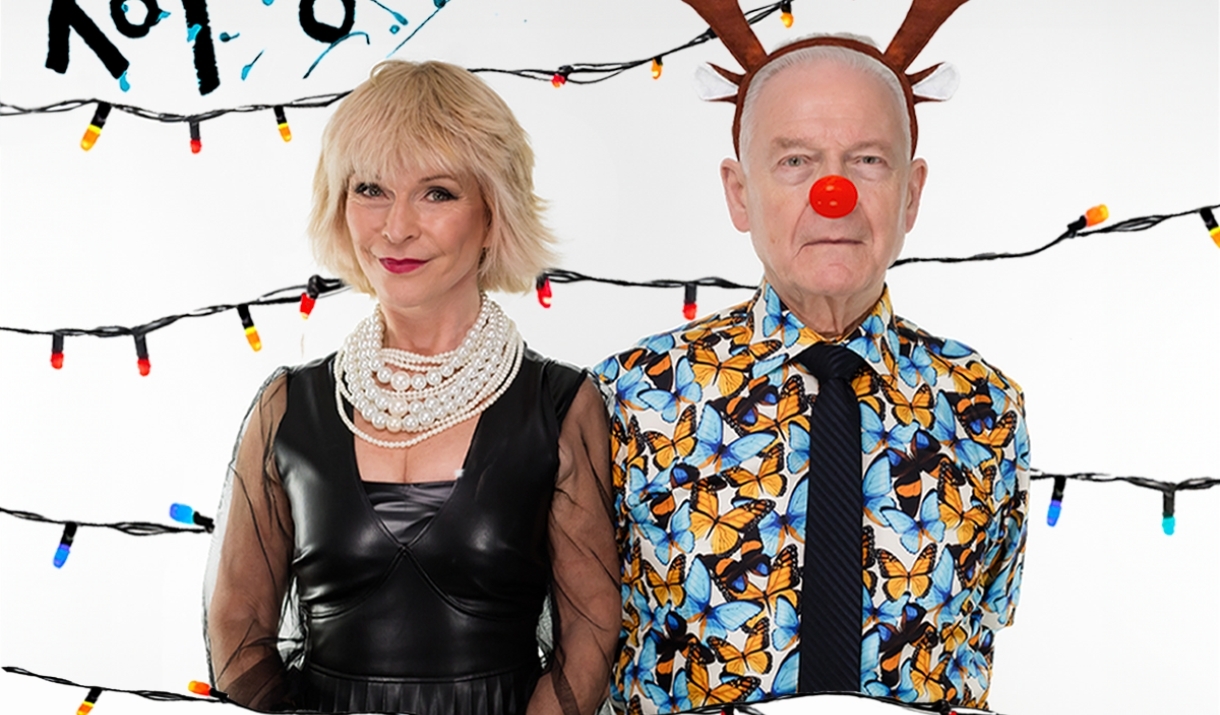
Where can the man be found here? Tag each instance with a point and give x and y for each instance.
(736, 442)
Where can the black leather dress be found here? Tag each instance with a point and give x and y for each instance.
(445, 621)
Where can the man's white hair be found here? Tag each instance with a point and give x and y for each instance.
(841, 55)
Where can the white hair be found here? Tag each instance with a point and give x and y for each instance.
(843, 56)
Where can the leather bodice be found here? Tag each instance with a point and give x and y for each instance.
(462, 597)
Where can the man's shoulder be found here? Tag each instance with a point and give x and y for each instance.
(946, 355)
(632, 364)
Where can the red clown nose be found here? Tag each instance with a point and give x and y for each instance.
(833, 196)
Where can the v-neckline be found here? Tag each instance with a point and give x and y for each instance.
(354, 471)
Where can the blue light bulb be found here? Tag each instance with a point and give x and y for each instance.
(182, 513)
(61, 555)
(1052, 512)
(1167, 524)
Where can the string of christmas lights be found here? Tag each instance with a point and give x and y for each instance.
(1168, 492)
(575, 73)
(210, 694)
(317, 286)
(1082, 226)
(203, 524)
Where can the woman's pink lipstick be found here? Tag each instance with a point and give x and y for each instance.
(405, 265)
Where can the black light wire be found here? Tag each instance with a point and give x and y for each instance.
(574, 73)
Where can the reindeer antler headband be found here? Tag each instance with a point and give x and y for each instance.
(936, 83)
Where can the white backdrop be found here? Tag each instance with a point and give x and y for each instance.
(1063, 105)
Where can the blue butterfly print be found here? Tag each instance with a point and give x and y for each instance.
(866, 344)
(889, 612)
(640, 491)
(647, 617)
(913, 531)
(686, 391)
(944, 429)
(870, 666)
(658, 344)
(787, 676)
(1021, 444)
(878, 489)
(917, 367)
(777, 319)
(641, 667)
(770, 367)
(787, 625)
(998, 597)
(950, 348)
(1006, 480)
(773, 527)
(798, 448)
(873, 432)
(663, 700)
(906, 691)
(678, 537)
(712, 449)
(607, 370)
(713, 620)
(628, 388)
(940, 599)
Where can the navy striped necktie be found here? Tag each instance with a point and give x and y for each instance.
(831, 621)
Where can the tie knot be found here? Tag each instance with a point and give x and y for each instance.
(830, 362)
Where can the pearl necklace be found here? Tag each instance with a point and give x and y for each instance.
(427, 394)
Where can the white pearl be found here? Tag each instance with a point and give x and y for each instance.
(410, 422)
(381, 401)
(418, 381)
(367, 413)
(393, 424)
(425, 417)
(384, 374)
(398, 408)
(400, 381)
(415, 407)
(432, 403)
(447, 370)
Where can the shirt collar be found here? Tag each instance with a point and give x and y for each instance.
(772, 320)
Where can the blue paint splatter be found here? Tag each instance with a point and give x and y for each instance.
(365, 35)
(268, 2)
(225, 37)
(397, 16)
(191, 32)
(420, 26)
(394, 29)
(123, 83)
(245, 71)
(162, 16)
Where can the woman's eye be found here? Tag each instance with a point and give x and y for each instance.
(366, 189)
(439, 194)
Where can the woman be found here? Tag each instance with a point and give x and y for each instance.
(398, 513)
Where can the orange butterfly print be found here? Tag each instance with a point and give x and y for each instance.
(670, 589)
(666, 450)
(731, 373)
(898, 580)
(726, 529)
(770, 478)
(785, 576)
(866, 383)
(917, 409)
(930, 682)
(955, 516)
(729, 690)
(755, 657)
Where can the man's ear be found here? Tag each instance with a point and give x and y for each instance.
(915, 182)
(734, 179)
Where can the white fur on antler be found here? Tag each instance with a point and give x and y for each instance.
(938, 86)
(710, 86)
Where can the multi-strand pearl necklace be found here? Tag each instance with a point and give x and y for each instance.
(398, 391)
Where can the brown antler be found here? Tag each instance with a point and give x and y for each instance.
(922, 21)
(727, 21)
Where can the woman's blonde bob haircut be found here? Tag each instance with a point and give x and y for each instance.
(435, 116)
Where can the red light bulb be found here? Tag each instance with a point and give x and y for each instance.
(542, 285)
(833, 196)
(307, 304)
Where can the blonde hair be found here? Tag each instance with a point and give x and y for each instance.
(434, 115)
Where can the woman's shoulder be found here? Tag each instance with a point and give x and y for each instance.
(562, 380)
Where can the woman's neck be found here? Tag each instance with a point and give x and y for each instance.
(431, 330)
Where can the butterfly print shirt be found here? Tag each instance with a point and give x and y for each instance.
(710, 445)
